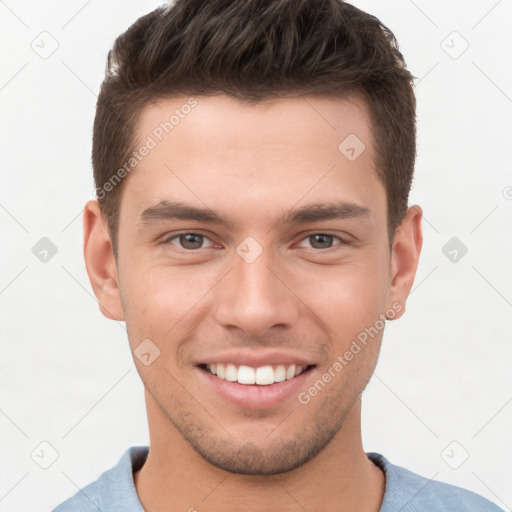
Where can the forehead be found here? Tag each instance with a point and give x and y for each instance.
(219, 121)
(237, 155)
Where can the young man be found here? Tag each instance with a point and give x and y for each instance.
(253, 162)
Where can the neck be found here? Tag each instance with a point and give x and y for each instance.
(176, 477)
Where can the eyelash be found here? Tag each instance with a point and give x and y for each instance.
(342, 241)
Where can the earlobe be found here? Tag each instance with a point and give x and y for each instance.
(100, 262)
(405, 255)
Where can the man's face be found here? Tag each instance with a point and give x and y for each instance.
(262, 289)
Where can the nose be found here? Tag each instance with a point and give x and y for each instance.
(254, 296)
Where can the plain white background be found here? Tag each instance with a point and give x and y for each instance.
(442, 390)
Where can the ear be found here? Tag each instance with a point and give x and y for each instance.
(100, 262)
(405, 254)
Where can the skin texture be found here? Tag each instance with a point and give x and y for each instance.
(250, 164)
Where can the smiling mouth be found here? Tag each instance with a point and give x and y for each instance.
(260, 376)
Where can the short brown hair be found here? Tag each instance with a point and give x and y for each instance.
(255, 50)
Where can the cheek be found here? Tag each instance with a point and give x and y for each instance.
(158, 299)
(347, 297)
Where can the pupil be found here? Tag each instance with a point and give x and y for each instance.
(191, 241)
(324, 240)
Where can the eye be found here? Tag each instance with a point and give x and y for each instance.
(322, 240)
(189, 241)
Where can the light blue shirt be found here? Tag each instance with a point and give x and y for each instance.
(114, 491)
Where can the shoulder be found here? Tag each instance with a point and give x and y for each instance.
(114, 489)
(410, 492)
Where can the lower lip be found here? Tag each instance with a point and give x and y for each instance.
(253, 396)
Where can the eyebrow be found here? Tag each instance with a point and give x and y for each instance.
(175, 210)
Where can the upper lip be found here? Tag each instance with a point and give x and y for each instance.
(257, 358)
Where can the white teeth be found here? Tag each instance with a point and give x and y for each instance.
(221, 371)
(231, 373)
(262, 376)
(265, 375)
(246, 375)
(280, 373)
(290, 372)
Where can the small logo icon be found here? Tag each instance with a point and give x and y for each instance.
(454, 45)
(454, 249)
(44, 455)
(507, 193)
(146, 352)
(44, 250)
(455, 455)
(45, 45)
(352, 147)
(249, 250)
